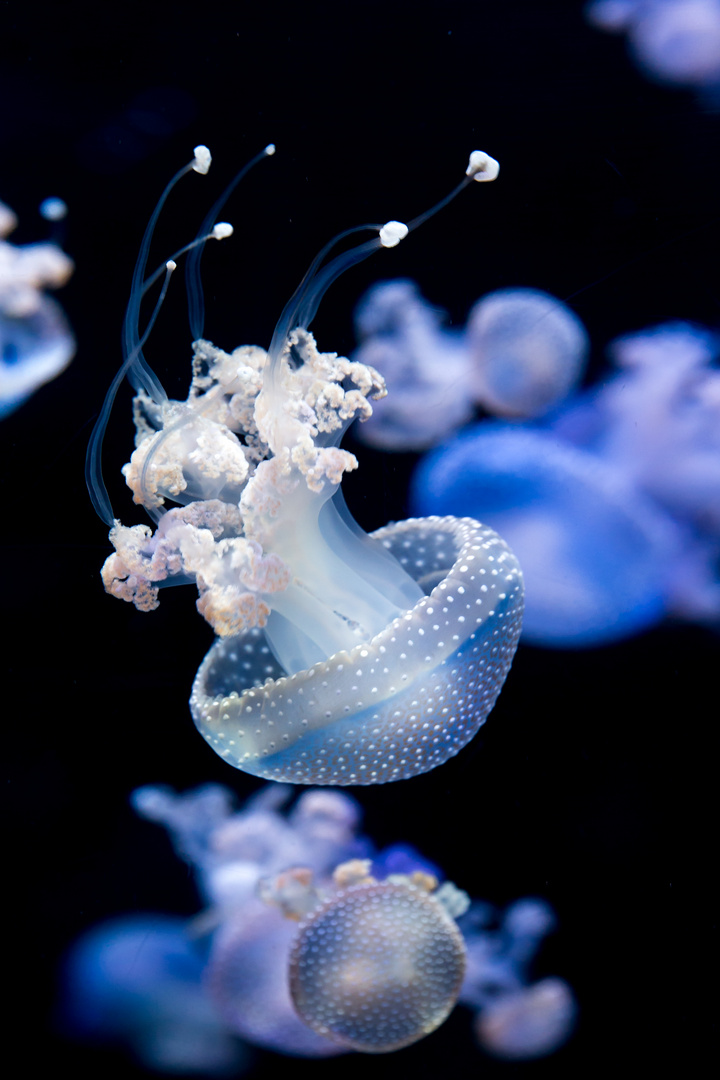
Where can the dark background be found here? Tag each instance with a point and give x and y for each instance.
(591, 784)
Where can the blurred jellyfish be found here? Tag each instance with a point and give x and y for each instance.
(521, 353)
(614, 505)
(138, 980)
(425, 368)
(528, 351)
(311, 944)
(341, 658)
(672, 41)
(36, 343)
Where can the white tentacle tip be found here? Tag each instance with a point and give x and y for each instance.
(201, 161)
(269, 149)
(222, 230)
(392, 233)
(482, 167)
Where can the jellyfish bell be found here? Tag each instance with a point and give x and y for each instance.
(529, 351)
(395, 705)
(594, 551)
(341, 658)
(393, 974)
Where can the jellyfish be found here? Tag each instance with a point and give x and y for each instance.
(612, 503)
(311, 943)
(521, 353)
(425, 366)
(672, 41)
(36, 343)
(340, 658)
(529, 351)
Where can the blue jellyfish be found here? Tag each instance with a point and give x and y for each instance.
(36, 342)
(612, 504)
(312, 943)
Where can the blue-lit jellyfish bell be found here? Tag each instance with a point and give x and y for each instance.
(528, 351)
(311, 944)
(672, 41)
(521, 353)
(341, 658)
(594, 552)
(36, 342)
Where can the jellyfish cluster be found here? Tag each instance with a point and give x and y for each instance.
(609, 496)
(671, 41)
(341, 658)
(36, 342)
(520, 353)
(311, 943)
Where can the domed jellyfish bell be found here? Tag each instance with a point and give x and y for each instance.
(341, 658)
(529, 350)
(374, 965)
(595, 551)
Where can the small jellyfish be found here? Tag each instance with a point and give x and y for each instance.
(672, 41)
(311, 943)
(393, 973)
(521, 353)
(341, 658)
(36, 343)
(529, 351)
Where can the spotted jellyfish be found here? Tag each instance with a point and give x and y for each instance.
(312, 943)
(341, 658)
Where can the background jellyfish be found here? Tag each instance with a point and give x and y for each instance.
(672, 41)
(593, 786)
(36, 343)
(613, 504)
(312, 943)
(521, 352)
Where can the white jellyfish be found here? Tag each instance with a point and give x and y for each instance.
(341, 658)
(36, 343)
(393, 973)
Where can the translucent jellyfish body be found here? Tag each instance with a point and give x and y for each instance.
(528, 349)
(36, 343)
(342, 658)
(311, 944)
(672, 41)
(393, 706)
(377, 966)
(521, 352)
(613, 505)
